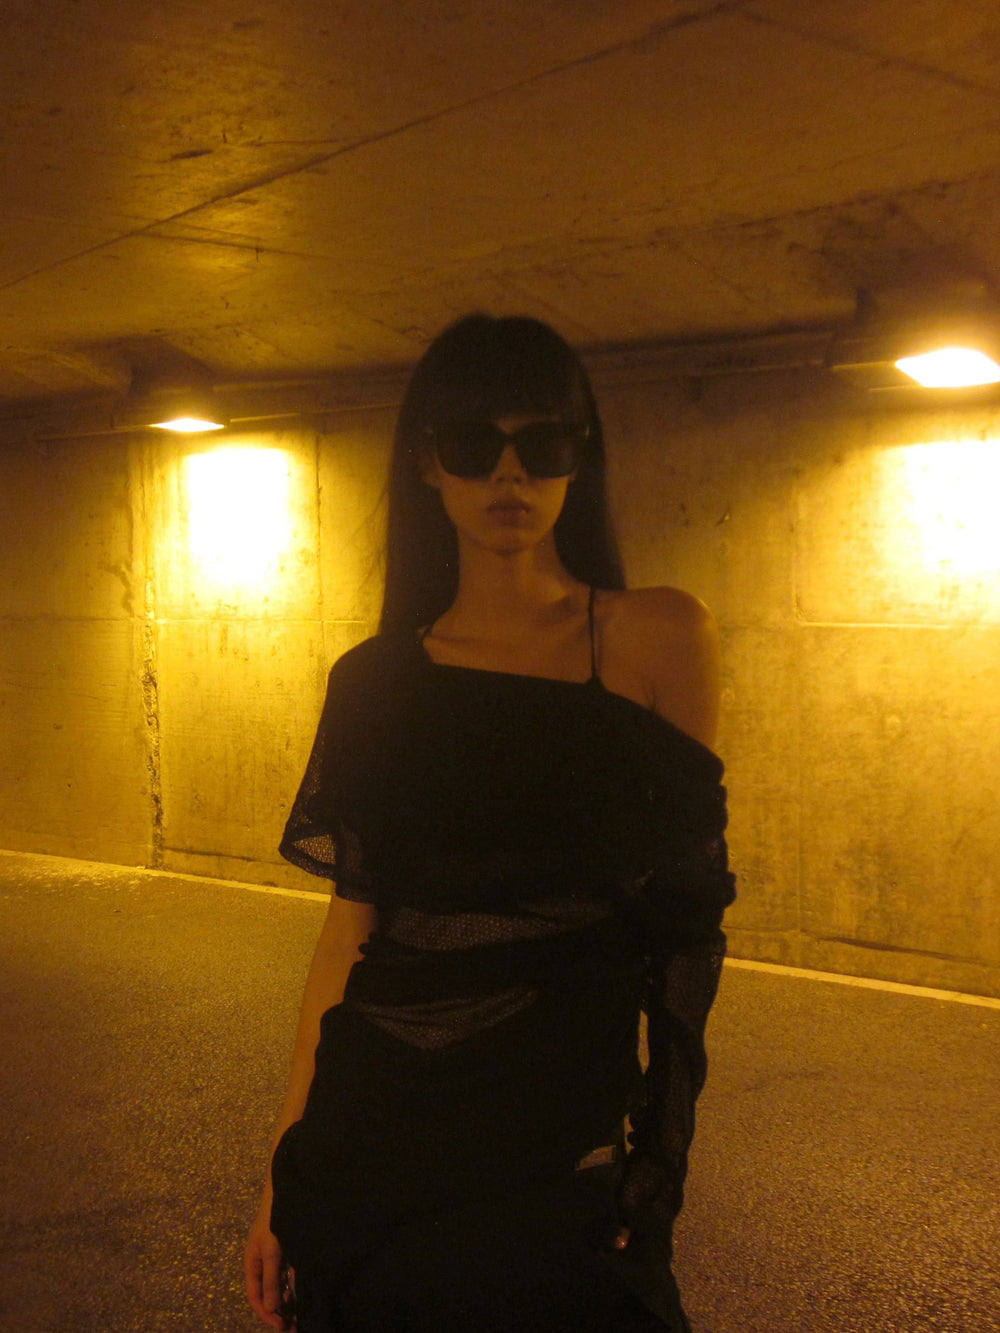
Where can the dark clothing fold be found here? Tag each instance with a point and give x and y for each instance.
(547, 859)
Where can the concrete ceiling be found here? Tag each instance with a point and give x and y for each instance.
(280, 188)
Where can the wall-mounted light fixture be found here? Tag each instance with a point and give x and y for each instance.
(171, 391)
(940, 335)
(188, 412)
(188, 425)
(956, 366)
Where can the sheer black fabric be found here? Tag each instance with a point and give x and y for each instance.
(528, 1263)
(546, 857)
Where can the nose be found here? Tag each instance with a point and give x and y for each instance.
(509, 466)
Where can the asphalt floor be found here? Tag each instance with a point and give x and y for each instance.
(845, 1177)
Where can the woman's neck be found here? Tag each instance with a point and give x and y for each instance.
(508, 597)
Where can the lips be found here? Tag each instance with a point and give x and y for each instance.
(511, 512)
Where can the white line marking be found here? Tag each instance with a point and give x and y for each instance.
(283, 893)
(239, 884)
(748, 964)
(867, 983)
(115, 870)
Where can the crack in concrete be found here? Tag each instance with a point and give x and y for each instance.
(883, 58)
(651, 36)
(151, 711)
(883, 947)
(897, 198)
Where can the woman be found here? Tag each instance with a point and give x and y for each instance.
(513, 789)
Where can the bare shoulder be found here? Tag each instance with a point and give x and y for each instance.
(660, 620)
(665, 642)
(666, 608)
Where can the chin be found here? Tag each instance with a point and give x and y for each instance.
(508, 543)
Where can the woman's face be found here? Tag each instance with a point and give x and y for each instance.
(509, 509)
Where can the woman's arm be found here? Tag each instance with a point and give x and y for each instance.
(347, 926)
(675, 643)
(687, 674)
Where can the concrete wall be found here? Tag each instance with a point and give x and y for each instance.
(852, 556)
(154, 710)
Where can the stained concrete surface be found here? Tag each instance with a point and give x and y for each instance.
(294, 186)
(845, 1177)
(157, 707)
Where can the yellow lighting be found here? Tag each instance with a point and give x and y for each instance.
(188, 425)
(238, 515)
(952, 500)
(950, 368)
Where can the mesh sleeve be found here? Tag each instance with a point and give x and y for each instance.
(320, 835)
(685, 952)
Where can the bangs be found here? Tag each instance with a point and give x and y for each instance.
(484, 368)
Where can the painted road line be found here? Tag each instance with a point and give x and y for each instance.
(866, 983)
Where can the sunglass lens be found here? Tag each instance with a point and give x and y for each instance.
(469, 449)
(549, 448)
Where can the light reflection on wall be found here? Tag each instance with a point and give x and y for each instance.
(239, 521)
(900, 534)
(952, 495)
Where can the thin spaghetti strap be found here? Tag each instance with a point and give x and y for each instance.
(593, 636)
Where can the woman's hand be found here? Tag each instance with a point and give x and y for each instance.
(262, 1267)
(641, 1187)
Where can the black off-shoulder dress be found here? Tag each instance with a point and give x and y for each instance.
(547, 859)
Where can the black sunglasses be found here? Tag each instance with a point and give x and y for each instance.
(472, 448)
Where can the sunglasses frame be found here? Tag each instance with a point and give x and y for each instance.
(484, 436)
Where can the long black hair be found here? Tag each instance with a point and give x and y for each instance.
(483, 368)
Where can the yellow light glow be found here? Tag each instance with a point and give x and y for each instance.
(952, 499)
(238, 514)
(950, 368)
(188, 425)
